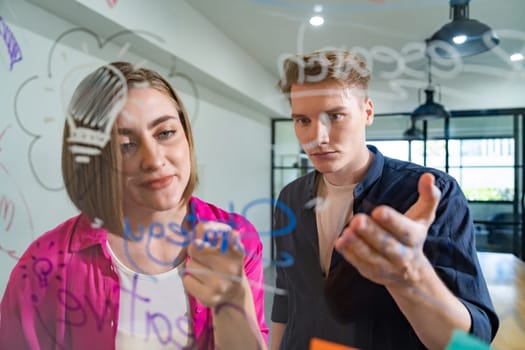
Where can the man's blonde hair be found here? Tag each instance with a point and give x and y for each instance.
(341, 66)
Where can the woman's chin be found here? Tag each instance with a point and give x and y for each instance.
(164, 205)
(157, 205)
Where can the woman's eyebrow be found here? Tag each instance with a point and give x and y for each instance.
(151, 125)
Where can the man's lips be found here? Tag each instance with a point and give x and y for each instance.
(323, 154)
(158, 183)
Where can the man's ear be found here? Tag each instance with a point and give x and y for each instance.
(369, 111)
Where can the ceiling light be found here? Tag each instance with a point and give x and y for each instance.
(318, 8)
(413, 133)
(478, 37)
(429, 109)
(459, 39)
(516, 57)
(316, 21)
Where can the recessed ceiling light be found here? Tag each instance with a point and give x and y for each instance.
(459, 39)
(516, 57)
(316, 21)
(318, 8)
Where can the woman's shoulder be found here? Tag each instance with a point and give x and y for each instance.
(46, 252)
(53, 240)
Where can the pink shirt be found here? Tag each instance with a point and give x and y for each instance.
(64, 293)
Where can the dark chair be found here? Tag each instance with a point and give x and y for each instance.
(501, 228)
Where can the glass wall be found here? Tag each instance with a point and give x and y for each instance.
(480, 149)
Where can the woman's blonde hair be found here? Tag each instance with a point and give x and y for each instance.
(96, 187)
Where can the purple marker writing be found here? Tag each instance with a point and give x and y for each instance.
(15, 54)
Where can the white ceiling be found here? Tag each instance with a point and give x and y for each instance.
(381, 29)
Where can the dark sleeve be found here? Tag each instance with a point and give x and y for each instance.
(280, 300)
(451, 248)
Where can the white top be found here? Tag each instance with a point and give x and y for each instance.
(153, 312)
(332, 215)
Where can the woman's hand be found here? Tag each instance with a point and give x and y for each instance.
(214, 272)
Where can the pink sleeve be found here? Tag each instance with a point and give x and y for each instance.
(253, 267)
(17, 315)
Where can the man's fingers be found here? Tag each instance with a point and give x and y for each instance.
(388, 232)
(424, 210)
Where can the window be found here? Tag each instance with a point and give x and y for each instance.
(484, 168)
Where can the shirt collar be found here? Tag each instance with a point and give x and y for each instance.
(85, 235)
(371, 176)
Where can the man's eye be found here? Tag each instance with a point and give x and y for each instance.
(336, 116)
(302, 121)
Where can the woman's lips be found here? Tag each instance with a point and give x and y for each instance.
(158, 183)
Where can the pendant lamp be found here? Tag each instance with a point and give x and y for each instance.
(429, 109)
(463, 36)
(413, 133)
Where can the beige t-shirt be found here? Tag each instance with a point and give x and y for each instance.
(333, 211)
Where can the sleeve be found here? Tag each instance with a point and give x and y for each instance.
(280, 300)
(16, 317)
(450, 247)
(253, 267)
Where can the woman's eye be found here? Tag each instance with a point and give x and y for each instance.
(165, 134)
(128, 147)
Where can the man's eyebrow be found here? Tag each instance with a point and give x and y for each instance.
(336, 109)
(297, 115)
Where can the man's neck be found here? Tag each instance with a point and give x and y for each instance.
(353, 172)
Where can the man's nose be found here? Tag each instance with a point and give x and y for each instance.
(322, 130)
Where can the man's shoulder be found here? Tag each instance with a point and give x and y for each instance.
(303, 184)
(409, 171)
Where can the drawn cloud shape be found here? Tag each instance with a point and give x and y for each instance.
(74, 54)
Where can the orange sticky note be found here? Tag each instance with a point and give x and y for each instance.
(319, 344)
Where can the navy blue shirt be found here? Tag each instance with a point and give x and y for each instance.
(349, 309)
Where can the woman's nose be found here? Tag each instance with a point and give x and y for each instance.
(151, 156)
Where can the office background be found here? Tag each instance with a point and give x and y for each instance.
(223, 57)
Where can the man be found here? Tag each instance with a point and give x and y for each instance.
(384, 251)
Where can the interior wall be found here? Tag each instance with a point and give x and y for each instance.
(232, 139)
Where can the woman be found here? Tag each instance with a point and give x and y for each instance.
(145, 264)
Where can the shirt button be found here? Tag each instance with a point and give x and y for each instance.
(112, 324)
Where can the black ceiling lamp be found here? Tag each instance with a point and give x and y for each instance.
(413, 133)
(429, 109)
(462, 36)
